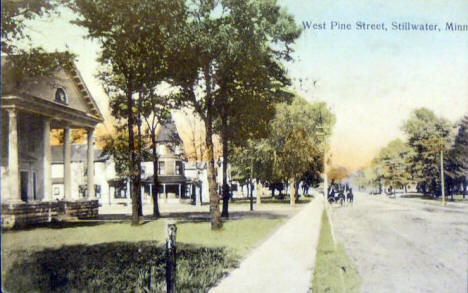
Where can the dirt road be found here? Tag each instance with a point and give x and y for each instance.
(402, 246)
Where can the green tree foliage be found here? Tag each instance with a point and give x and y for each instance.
(298, 137)
(457, 167)
(26, 62)
(369, 177)
(232, 50)
(393, 161)
(459, 152)
(293, 148)
(134, 49)
(428, 136)
(116, 145)
(251, 79)
(14, 15)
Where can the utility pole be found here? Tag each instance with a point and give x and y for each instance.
(325, 176)
(442, 181)
(251, 186)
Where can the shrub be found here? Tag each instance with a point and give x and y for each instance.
(116, 267)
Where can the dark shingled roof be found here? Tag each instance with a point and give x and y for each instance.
(169, 133)
(79, 153)
(167, 179)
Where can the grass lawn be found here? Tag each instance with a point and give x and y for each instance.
(334, 271)
(456, 197)
(70, 256)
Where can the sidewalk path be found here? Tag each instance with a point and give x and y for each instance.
(284, 262)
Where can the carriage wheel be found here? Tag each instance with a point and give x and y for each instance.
(331, 200)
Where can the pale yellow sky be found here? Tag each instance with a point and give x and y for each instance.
(372, 80)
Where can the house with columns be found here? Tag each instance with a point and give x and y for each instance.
(177, 181)
(31, 108)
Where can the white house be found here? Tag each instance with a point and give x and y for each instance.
(30, 109)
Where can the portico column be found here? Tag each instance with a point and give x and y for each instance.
(67, 163)
(47, 161)
(13, 171)
(91, 191)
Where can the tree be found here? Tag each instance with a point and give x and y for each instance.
(457, 157)
(428, 136)
(394, 161)
(249, 91)
(213, 44)
(27, 62)
(337, 174)
(195, 136)
(116, 145)
(132, 34)
(77, 135)
(292, 150)
(156, 111)
(14, 15)
(296, 140)
(369, 177)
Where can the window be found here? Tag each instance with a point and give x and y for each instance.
(60, 96)
(179, 168)
(97, 190)
(161, 167)
(120, 192)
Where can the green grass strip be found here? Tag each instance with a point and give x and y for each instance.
(334, 271)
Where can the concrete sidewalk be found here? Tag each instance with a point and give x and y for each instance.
(284, 262)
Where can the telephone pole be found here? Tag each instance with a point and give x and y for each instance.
(442, 181)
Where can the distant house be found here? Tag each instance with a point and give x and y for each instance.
(171, 165)
(30, 109)
(79, 172)
(179, 181)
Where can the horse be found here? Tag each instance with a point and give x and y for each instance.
(350, 196)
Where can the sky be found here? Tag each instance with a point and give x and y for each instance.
(372, 80)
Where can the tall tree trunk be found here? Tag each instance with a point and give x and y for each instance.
(133, 175)
(156, 213)
(213, 193)
(464, 187)
(292, 196)
(224, 137)
(259, 192)
(140, 155)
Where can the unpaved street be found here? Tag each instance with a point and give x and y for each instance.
(402, 245)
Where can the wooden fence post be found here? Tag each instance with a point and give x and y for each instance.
(171, 231)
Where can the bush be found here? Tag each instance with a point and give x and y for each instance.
(116, 267)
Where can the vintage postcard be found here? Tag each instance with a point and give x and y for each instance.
(225, 146)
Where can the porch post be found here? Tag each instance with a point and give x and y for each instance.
(91, 191)
(13, 170)
(67, 163)
(47, 161)
(180, 190)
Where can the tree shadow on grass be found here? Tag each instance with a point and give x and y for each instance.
(192, 216)
(116, 267)
(55, 225)
(236, 215)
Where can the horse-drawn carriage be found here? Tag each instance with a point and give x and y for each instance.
(340, 194)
